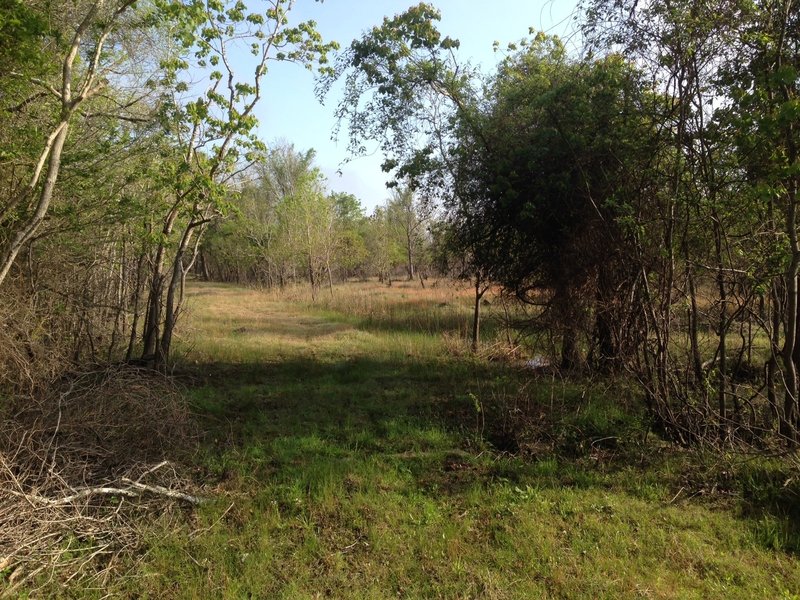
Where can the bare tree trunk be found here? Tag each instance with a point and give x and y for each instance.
(177, 285)
(722, 325)
(152, 322)
(25, 234)
(789, 415)
(312, 279)
(692, 311)
(792, 351)
(137, 294)
(791, 408)
(566, 321)
(170, 312)
(697, 363)
(120, 301)
(204, 273)
(152, 325)
(476, 314)
(410, 262)
(570, 356)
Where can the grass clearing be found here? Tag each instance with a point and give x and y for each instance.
(352, 456)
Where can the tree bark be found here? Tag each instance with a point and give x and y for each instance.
(410, 261)
(24, 235)
(476, 315)
(312, 279)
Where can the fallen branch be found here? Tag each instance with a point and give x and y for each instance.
(160, 490)
(128, 492)
(80, 466)
(87, 492)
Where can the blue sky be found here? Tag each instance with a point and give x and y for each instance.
(290, 111)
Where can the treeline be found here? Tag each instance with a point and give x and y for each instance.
(639, 195)
(286, 227)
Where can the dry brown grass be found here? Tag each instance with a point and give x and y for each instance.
(79, 469)
(235, 324)
(354, 295)
(30, 353)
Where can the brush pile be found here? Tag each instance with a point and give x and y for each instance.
(80, 468)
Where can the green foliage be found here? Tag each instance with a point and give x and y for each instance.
(22, 29)
(287, 226)
(643, 199)
(350, 226)
(390, 77)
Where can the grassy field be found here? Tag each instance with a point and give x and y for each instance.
(356, 450)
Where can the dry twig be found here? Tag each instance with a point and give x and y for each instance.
(79, 468)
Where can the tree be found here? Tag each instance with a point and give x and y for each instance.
(78, 71)
(726, 75)
(307, 229)
(212, 133)
(458, 255)
(532, 167)
(764, 119)
(567, 143)
(407, 217)
(350, 224)
(384, 252)
(278, 176)
(402, 88)
(93, 62)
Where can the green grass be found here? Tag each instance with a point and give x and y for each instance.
(351, 457)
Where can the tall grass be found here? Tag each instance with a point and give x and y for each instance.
(441, 306)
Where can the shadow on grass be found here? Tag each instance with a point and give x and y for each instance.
(421, 415)
(310, 423)
(302, 328)
(313, 424)
(303, 396)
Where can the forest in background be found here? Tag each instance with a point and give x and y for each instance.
(634, 204)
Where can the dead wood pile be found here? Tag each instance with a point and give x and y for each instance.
(83, 469)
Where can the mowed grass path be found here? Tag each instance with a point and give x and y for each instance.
(347, 461)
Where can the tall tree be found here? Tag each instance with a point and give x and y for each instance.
(307, 229)
(351, 222)
(82, 47)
